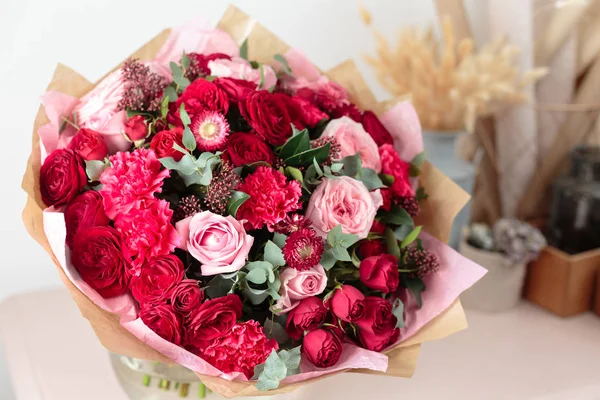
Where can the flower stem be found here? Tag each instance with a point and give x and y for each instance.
(201, 390)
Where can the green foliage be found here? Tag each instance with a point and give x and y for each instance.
(171, 94)
(284, 64)
(261, 69)
(396, 216)
(244, 50)
(237, 199)
(398, 311)
(273, 254)
(421, 195)
(415, 285)
(94, 168)
(416, 163)
(411, 237)
(279, 239)
(352, 167)
(193, 171)
(305, 158)
(338, 243)
(185, 61)
(391, 243)
(179, 79)
(276, 368)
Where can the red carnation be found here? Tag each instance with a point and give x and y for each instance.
(247, 148)
(84, 212)
(375, 128)
(271, 198)
(158, 276)
(163, 320)
(98, 257)
(162, 143)
(398, 168)
(62, 177)
(89, 145)
(200, 96)
(269, 114)
(303, 249)
(240, 349)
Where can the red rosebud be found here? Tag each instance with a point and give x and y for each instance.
(162, 143)
(380, 273)
(346, 303)
(309, 314)
(62, 177)
(375, 128)
(377, 330)
(157, 277)
(236, 89)
(200, 96)
(368, 248)
(85, 211)
(186, 296)
(269, 114)
(89, 145)
(212, 319)
(136, 128)
(98, 257)
(163, 320)
(247, 148)
(322, 348)
(377, 227)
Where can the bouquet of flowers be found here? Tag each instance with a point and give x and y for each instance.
(218, 202)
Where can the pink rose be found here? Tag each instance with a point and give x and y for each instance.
(353, 138)
(239, 68)
(219, 243)
(344, 201)
(297, 285)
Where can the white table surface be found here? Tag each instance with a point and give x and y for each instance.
(52, 354)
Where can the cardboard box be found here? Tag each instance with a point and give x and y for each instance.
(563, 283)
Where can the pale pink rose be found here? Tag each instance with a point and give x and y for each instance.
(297, 285)
(196, 36)
(219, 243)
(344, 201)
(98, 110)
(239, 68)
(353, 138)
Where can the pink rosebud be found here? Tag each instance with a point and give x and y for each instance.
(347, 303)
(322, 348)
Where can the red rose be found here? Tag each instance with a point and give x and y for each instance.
(380, 273)
(162, 143)
(163, 320)
(98, 257)
(136, 128)
(201, 95)
(236, 89)
(89, 145)
(269, 114)
(308, 113)
(377, 330)
(346, 110)
(62, 176)
(212, 319)
(377, 227)
(386, 195)
(346, 303)
(368, 248)
(322, 348)
(247, 148)
(85, 211)
(309, 314)
(375, 128)
(186, 296)
(156, 279)
(199, 64)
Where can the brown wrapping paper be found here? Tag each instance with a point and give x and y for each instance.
(445, 201)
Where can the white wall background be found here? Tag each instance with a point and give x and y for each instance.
(94, 36)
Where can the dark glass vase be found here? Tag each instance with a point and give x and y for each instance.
(575, 215)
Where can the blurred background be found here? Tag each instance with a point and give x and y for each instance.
(508, 92)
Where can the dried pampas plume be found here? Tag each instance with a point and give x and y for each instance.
(450, 84)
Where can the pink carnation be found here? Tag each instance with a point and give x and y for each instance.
(131, 181)
(271, 198)
(395, 166)
(241, 349)
(147, 232)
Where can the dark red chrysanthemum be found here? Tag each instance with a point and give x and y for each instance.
(303, 249)
(292, 223)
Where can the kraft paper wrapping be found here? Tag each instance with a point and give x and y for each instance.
(445, 200)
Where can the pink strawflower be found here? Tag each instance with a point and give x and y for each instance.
(210, 129)
(271, 198)
(291, 223)
(303, 249)
(147, 232)
(240, 350)
(131, 181)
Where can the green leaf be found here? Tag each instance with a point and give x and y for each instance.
(298, 143)
(94, 168)
(273, 254)
(341, 253)
(336, 167)
(398, 311)
(279, 239)
(256, 296)
(274, 330)
(334, 236)
(164, 107)
(388, 180)
(258, 276)
(189, 141)
(180, 149)
(391, 243)
(411, 237)
(185, 61)
(419, 159)
(305, 158)
(262, 76)
(185, 117)
(170, 93)
(421, 195)
(176, 71)
(185, 166)
(396, 216)
(237, 199)
(348, 239)
(328, 260)
(415, 285)
(244, 49)
(370, 179)
(291, 358)
(263, 265)
(355, 259)
(352, 165)
(402, 231)
(284, 64)
(294, 173)
(273, 372)
(414, 171)
(220, 286)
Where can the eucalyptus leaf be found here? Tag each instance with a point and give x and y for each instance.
(398, 311)
(274, 330)
(237, 199)
(244, 49)
(189, 141)
(185, 166)
(274, 372)
(255, 296)
(341, 253)
(328, 260)
(94, 168)
(348, 239)
(336, 167)
(261, 69)
(164, 107)
(279, 239)
(273, 254)
(171, 94)
(185, 61)
(185, 118)
(294, 173)
(317, 167)
(352, 165)
(419, 159)
(411, 237)
(370, 179)
(257, 276)
(284, 63)
(334, 236)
